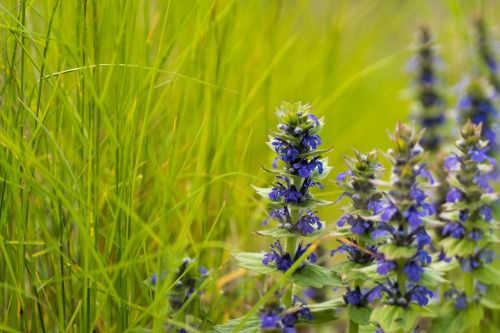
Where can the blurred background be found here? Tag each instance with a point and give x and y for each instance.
(132, 131)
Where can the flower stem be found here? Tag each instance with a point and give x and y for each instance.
(291, 244)
(401, 277)
(469, 285)
(353, 327)
(469, 291)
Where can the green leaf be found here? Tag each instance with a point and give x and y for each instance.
(431, 278)
(490, 303)
(323, 312)
(360, 315)
(453, 320)
(309, 203)
(395, 318)
(349, 271)
(316, 276)
(458, 247)
(251, 325)
(253, 261)
(487, 274)
(262, 191)
(394, 252)
(282, 233)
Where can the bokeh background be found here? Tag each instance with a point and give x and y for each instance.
(131, 132)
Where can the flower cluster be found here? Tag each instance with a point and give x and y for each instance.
(276, 318)
(467, 212)
(357, 224)
(296, 144)
(459, 298)
(403, 210)
(358, 183)
(477, 105)
(284, 260)
(187, 280)
(402, 213)
(298, 167)
(361, 297)
(393, 294)
(429, 111)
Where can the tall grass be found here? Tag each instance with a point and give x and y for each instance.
(131, 131)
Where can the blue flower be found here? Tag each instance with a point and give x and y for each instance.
(377, 206)
(476, 234)
(308, 182)
(278, 256)
(481, 257)
(420, 295)
(464, 215)
(342, 176)
(486, 213)
(481, 180)
(288, 192)
(359, 226)
(270, 319)
(478, 155)
(279, 320)
(469, 264)
(301, 250)
(453, 229)
(388, 210)
(453, 195)
(153, 279)
(286, 151)
(314, 118)
(413, 216)
(423, 172)
(281, 214)
(308, 223)
(305, 168)
(492, 64)
(312, 141)
(283, 260)
(465, 102)
(427, 77)
(343, 220)
(452, 163)
(417, 194)
(491, 135)
(422, 237)
(353, 297)
(459, 298)
(442, 257)
(385, 266)
(413, 270)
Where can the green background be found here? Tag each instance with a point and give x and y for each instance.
(132, 130)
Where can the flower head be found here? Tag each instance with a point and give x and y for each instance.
(429, 111)
(283, 260)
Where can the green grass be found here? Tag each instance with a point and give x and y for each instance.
(132, 130)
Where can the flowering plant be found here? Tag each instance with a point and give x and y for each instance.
(298, 167)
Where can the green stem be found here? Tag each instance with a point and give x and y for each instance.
(353, 327)
(469, 285)
(401, 277)
(291, 245)
(469, 291)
